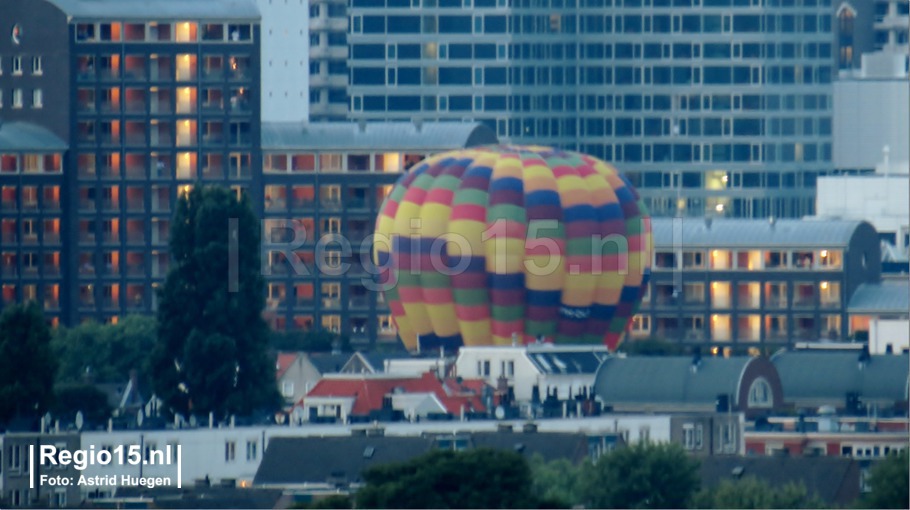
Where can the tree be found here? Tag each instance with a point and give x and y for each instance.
(316, 340)
(211, 354)
(91, 352)
(890, 482)
(73, 398)
(650, 347)
(557, 482)
(27, 365)
(479, 478)
(750, 492)
(644, 475)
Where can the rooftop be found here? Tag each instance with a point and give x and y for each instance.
(182, 10)
(669, 379)
(743, 233)
(387, 136)
(887, 297)
(806, 376)
(24, 137)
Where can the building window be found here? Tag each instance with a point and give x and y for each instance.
(37, 98)
(17, 98)
(230, 448)
(760, 393)
(693, 436)
(17, 65)
(287, 388)
(251, 450)
(727, 436)
(36, 66)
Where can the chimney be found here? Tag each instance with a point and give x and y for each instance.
(772, 221)
(696, 360)
(362, 125)
(418, 124)
(708, 221)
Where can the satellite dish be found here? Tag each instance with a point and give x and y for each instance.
(279, 418)
(80, 420)
(500, 413)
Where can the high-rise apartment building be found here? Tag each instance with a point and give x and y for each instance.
(150, 98)
(328, 67)
(719, 107)
(285, 66)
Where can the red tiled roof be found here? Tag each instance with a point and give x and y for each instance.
(369, 392)
(284, 362)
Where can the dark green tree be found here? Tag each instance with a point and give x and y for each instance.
(480, 478)
(212, 349)
(890, 482)
(73, 398)
(316, 340)
(27, 364)
(557, 482)
(651, 347)
(751, 492)
(91, 352)
(645, 475)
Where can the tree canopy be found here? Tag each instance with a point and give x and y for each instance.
(477, 478)
(750, 492)
(643, 475)
(890, 482)
(105, 353)
(27, 365)
(211, 354)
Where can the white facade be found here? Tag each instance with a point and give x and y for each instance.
(514, 363)
(882, 200)
(884, 332)
(285, 60)
(870, 114)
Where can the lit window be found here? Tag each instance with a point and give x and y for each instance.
(36, 66)
(37, 98)
(17, 98)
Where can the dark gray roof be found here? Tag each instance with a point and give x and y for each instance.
(204, 497)
(827, 376)
(668, 379)
(721, 233)
(23, 136)
(549, 445)
(836, 480)
(182, 10)
(567, 362)
(298, 460)
(887, 297)
(391, 136)
(328, 363)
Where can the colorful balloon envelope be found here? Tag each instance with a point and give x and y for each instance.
(503, 244)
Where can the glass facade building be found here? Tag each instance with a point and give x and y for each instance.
(719, 107)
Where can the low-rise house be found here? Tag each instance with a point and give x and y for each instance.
(534, 371)
(880, 314)
(837, 482)
(853, 382)
(307, 463)
(689, 384)
(15, 461)
(344, 397)
(298, 372)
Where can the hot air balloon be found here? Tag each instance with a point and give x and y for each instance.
(502, 244)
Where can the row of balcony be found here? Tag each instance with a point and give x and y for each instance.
(326, 303)
(273, 204)
(165, 139)
(164, 172)
(665, 301)
(742, 335)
